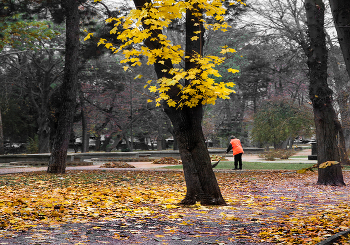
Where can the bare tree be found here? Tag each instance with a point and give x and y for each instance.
(326, 122)
(68, 90)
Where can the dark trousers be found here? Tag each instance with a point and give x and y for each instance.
(238, 161)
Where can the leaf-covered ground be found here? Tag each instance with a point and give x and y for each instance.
(140, 207)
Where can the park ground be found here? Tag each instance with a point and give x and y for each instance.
(90, 205)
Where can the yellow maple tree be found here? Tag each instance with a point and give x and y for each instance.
(147, 23)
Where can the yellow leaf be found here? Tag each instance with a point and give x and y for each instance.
(138, 76)
(230, 84)
(231, 50)
(317, 239)
(108, 45)
(137, 63)
(302, 171)
(125, 68)
(194, 38)
(231, 217)
(89, 35)
(171, 103)
(184, 223)
(328, 164)
(153, 89)
(232, 70)
(137, 200)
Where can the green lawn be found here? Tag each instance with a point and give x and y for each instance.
(259, 165)
(299, 157)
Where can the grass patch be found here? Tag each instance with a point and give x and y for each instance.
(299, 157)
(261, 166)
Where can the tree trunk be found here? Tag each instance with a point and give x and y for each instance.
(161, 144)
(68, 90)
(85, 135)
(341, 17)
(44, 133)
(327, 125)
(291, 142)
(175, 145)
(200, 179)
(115, 143)
(344, 158)
(98, 143)
(2, 150)
(44, 81)
(342, 99)
(344, 110)
(285, 143)
(106, 142)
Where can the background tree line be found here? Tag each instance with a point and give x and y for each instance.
(275, 59)
(267, 71)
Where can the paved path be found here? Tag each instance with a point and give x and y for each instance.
(138, 166)
(294, 159)
(150, 166)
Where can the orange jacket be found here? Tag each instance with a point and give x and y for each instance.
(235, 145)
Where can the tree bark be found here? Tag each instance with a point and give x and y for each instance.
(161, 144)
(2, 150)
(44, 134)
(42, 78)
(326, 122)
(341, 17)
(171, 131)
(342, 99)
(68, 90)
(200, 179)
(115, 143)
(84, 126)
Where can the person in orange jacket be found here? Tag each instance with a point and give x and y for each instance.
(237, 150)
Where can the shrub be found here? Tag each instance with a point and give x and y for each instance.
(274, 154)
(33, 145)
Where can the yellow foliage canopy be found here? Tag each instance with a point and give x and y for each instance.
(139, 26)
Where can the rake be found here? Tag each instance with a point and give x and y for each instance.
(216, 164)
